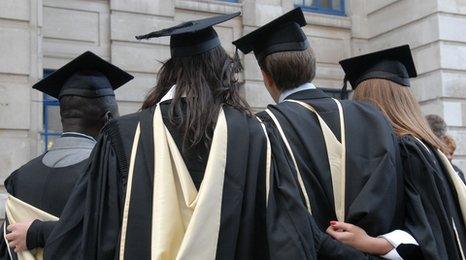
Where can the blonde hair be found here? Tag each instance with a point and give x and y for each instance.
(400, 107)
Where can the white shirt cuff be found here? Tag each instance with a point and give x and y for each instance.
(396, 238)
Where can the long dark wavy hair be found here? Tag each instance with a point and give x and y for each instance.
(207, 81)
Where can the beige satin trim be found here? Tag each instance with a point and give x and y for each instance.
(19, 211)
(459, 187)
(288, 147)
(458, 184)
(129, 185)
(267, 165)
(186, 222)
(336, 152)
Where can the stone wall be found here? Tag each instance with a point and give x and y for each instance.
(20, 60)
(433, 30)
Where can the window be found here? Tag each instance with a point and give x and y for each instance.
(334, 7)
(52, 127)
(335, 93)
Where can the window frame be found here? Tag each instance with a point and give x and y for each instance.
(48, 101)
(322, 10)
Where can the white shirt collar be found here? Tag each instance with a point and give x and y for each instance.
(80, 134)
(170, 94)
(286, 93)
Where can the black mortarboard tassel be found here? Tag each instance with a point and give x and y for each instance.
(193, 37)
(88, 75)
(279, 35)
(394, 64)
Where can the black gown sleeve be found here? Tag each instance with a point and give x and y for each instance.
(426, 218)
(38, 233)
(90, 223)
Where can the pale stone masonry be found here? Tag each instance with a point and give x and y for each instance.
(45, 34)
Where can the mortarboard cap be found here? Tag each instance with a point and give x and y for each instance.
(394, 64)
(193, 37)
(88, 75)
(279, 35)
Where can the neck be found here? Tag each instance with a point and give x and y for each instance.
(284, 94)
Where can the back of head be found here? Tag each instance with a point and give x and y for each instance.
(207, 81)
(86, 115)
(290, 69)
(399, 106)
(437, 124)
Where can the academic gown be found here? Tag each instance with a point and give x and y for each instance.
(45, 188)
(257, 219)
(432, 205)
(374, 185)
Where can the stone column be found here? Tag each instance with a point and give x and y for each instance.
(447, 94)
(20, 67)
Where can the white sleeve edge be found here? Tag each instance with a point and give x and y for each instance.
(392, 255)
(396, 238)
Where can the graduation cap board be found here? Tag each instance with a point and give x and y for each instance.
(193, 37)
(88, 75)
(279, 35)
(394, 64)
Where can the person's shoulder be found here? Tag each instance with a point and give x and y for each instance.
(244, 120)
(409, 145)
(122, 124)
(27, 168)
(362, 106)
(410, 141)
(367, 112)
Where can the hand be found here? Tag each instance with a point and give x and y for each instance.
(17, 235)
(357, 238)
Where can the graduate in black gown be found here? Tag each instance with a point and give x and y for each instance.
(85, 89)
(190, 176)
(434, 194)
(345, 152)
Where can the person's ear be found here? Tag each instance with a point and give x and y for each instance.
(271, 86)
(108, 116)
(268, 81)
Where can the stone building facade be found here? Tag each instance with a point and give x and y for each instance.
(42, 35)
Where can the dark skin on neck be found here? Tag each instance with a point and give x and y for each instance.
(87, 115)
(85, 125)
(69, 125)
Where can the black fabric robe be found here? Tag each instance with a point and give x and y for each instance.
(45, 188)
(90, 224)
(431, 202)
(374, 184)
(285, 196)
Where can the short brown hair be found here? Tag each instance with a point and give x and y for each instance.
(437, 124)
(400, 107)
(290, 69)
